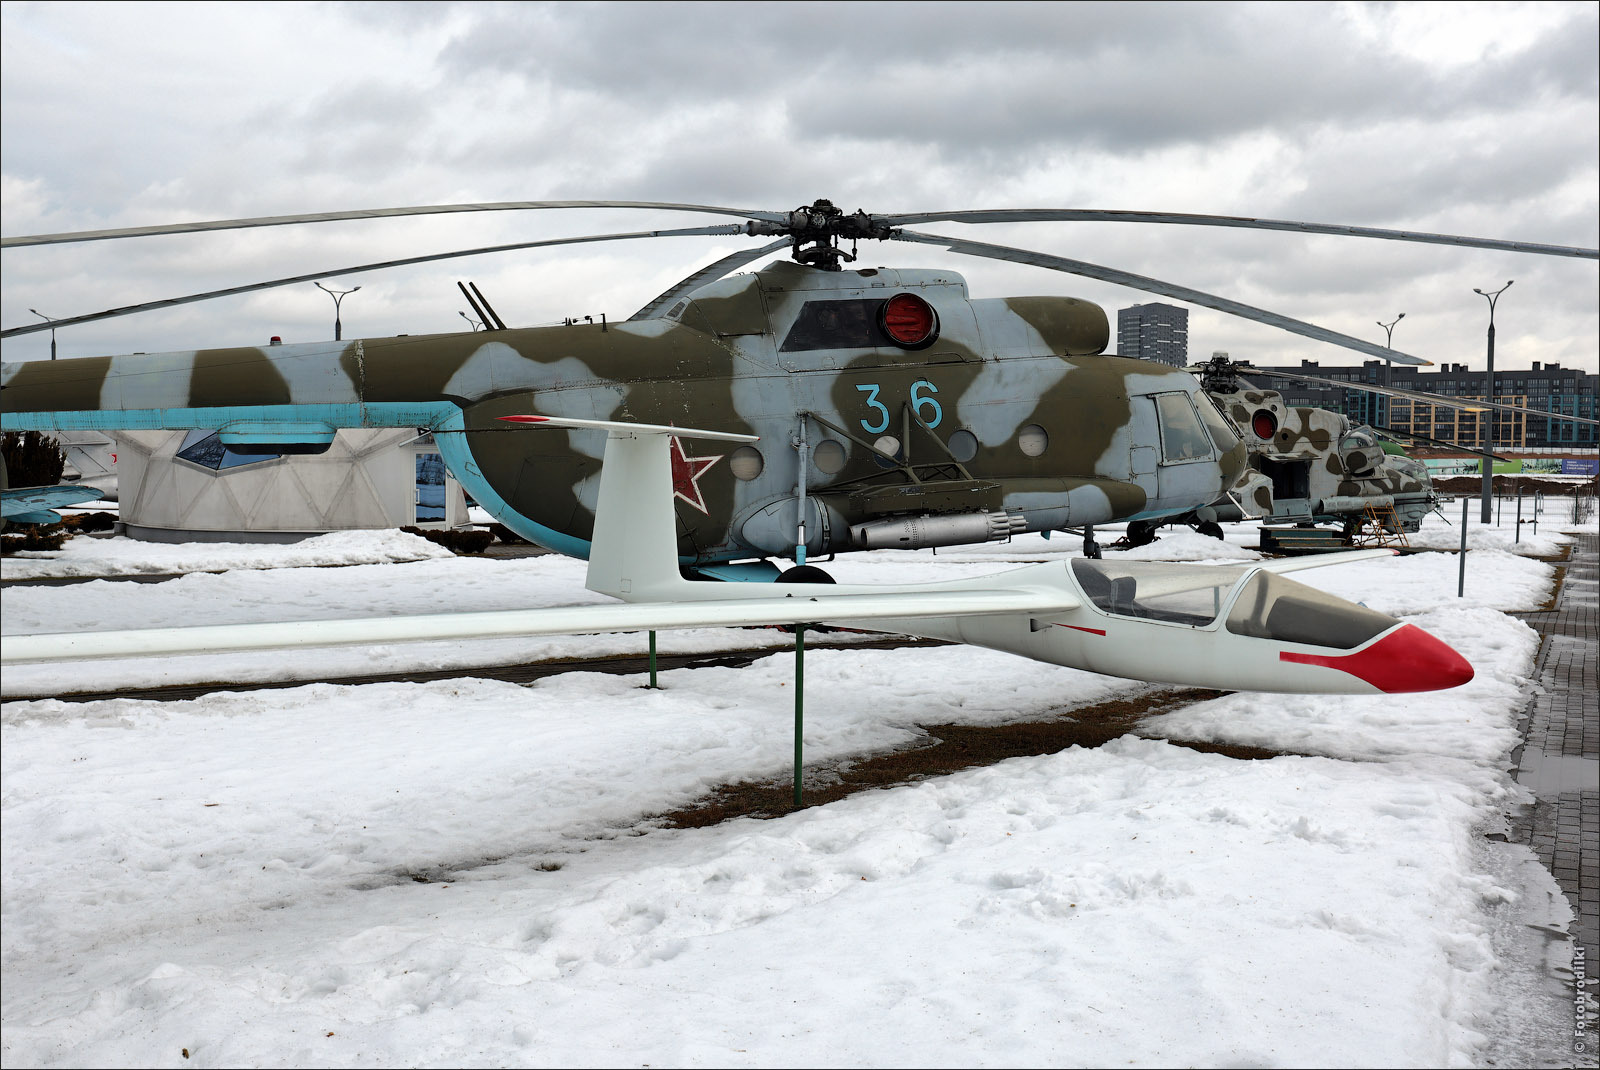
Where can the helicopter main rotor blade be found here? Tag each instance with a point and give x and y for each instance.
(1469, 404)
(1156, 286)
(1438, 442)
(710, 273)
(128, 310)
(1093, 215)
(369, 213)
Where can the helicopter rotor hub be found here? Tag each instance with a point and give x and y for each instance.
(815, 230)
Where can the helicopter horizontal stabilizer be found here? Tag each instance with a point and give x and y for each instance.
(19, 504)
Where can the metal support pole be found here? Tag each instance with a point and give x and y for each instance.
(653, 662)
(1518, 537)
(799, 704)
(800, 494)
(1381, 403)
(1461, 558)
(1486, 418)
(47, 319)
(338, 299)
(1486, 422)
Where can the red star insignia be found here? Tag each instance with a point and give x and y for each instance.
(686, 473)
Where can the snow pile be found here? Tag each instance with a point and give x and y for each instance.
(238, 876)
(129, 557)
(1442, 530)
(1181, 544)
(470, 872)
(1467, 724)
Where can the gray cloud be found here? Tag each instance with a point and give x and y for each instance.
(1297, 111)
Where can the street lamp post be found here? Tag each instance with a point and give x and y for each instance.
(1388, 366)
(47, 319)
(1488, 395)
(338, 296)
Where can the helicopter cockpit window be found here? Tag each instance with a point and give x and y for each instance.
(1182, 437)
(1273, 607)
(834, 325)
(1149, 591)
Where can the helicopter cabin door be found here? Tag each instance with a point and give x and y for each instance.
(1145, 450)
(1188, 456)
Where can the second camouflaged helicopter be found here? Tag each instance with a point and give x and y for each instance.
(893, 410)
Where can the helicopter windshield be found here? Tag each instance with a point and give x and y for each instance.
(1222, 432)
(1151, 591)
(1273, 607)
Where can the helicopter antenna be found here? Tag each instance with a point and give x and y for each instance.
(480, 304)
(499, 323)
(484, 320)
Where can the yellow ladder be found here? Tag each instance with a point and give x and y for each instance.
(1380, 526)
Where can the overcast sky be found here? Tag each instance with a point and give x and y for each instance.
(1474, 119)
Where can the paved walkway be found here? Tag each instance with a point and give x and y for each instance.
(1560, 757)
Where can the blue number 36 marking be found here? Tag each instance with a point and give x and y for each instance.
(871, 390)
(922, 403)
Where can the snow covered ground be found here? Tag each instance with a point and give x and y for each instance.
(131, 557)
(467, 872)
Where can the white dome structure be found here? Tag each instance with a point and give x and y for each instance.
(187, 486)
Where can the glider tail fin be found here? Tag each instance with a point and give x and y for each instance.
(634, 552)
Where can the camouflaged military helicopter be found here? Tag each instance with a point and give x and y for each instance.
(892, 409)
(1307, 466)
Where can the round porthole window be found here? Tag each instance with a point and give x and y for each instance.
(746, 463)
(1033, 441)
(963, 445)
(888, 451)
(829, 456)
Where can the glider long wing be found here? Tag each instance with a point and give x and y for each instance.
(563, 620)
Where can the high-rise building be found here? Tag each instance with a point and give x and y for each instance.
(1154, 332)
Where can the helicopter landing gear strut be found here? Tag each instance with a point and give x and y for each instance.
(1091, 549)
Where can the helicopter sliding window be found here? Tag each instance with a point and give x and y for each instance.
(1182, 437)
(1193, 596)
(1273, 607)
(834, 325)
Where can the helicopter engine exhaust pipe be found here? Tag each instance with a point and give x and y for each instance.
(921, 532)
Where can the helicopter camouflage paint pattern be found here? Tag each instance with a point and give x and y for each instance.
(1321, 467)
(1318, 466)
(893, 410)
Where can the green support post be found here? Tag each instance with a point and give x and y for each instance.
(799, 703)
(653, 661)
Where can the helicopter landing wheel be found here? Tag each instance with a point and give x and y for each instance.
(803, 574)
(1141, 532)
(1210, 529)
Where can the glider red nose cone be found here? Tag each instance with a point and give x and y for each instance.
(1407, 659)
(1435, 664)
(1410, 659)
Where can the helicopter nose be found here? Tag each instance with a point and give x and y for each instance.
(1408, 659)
